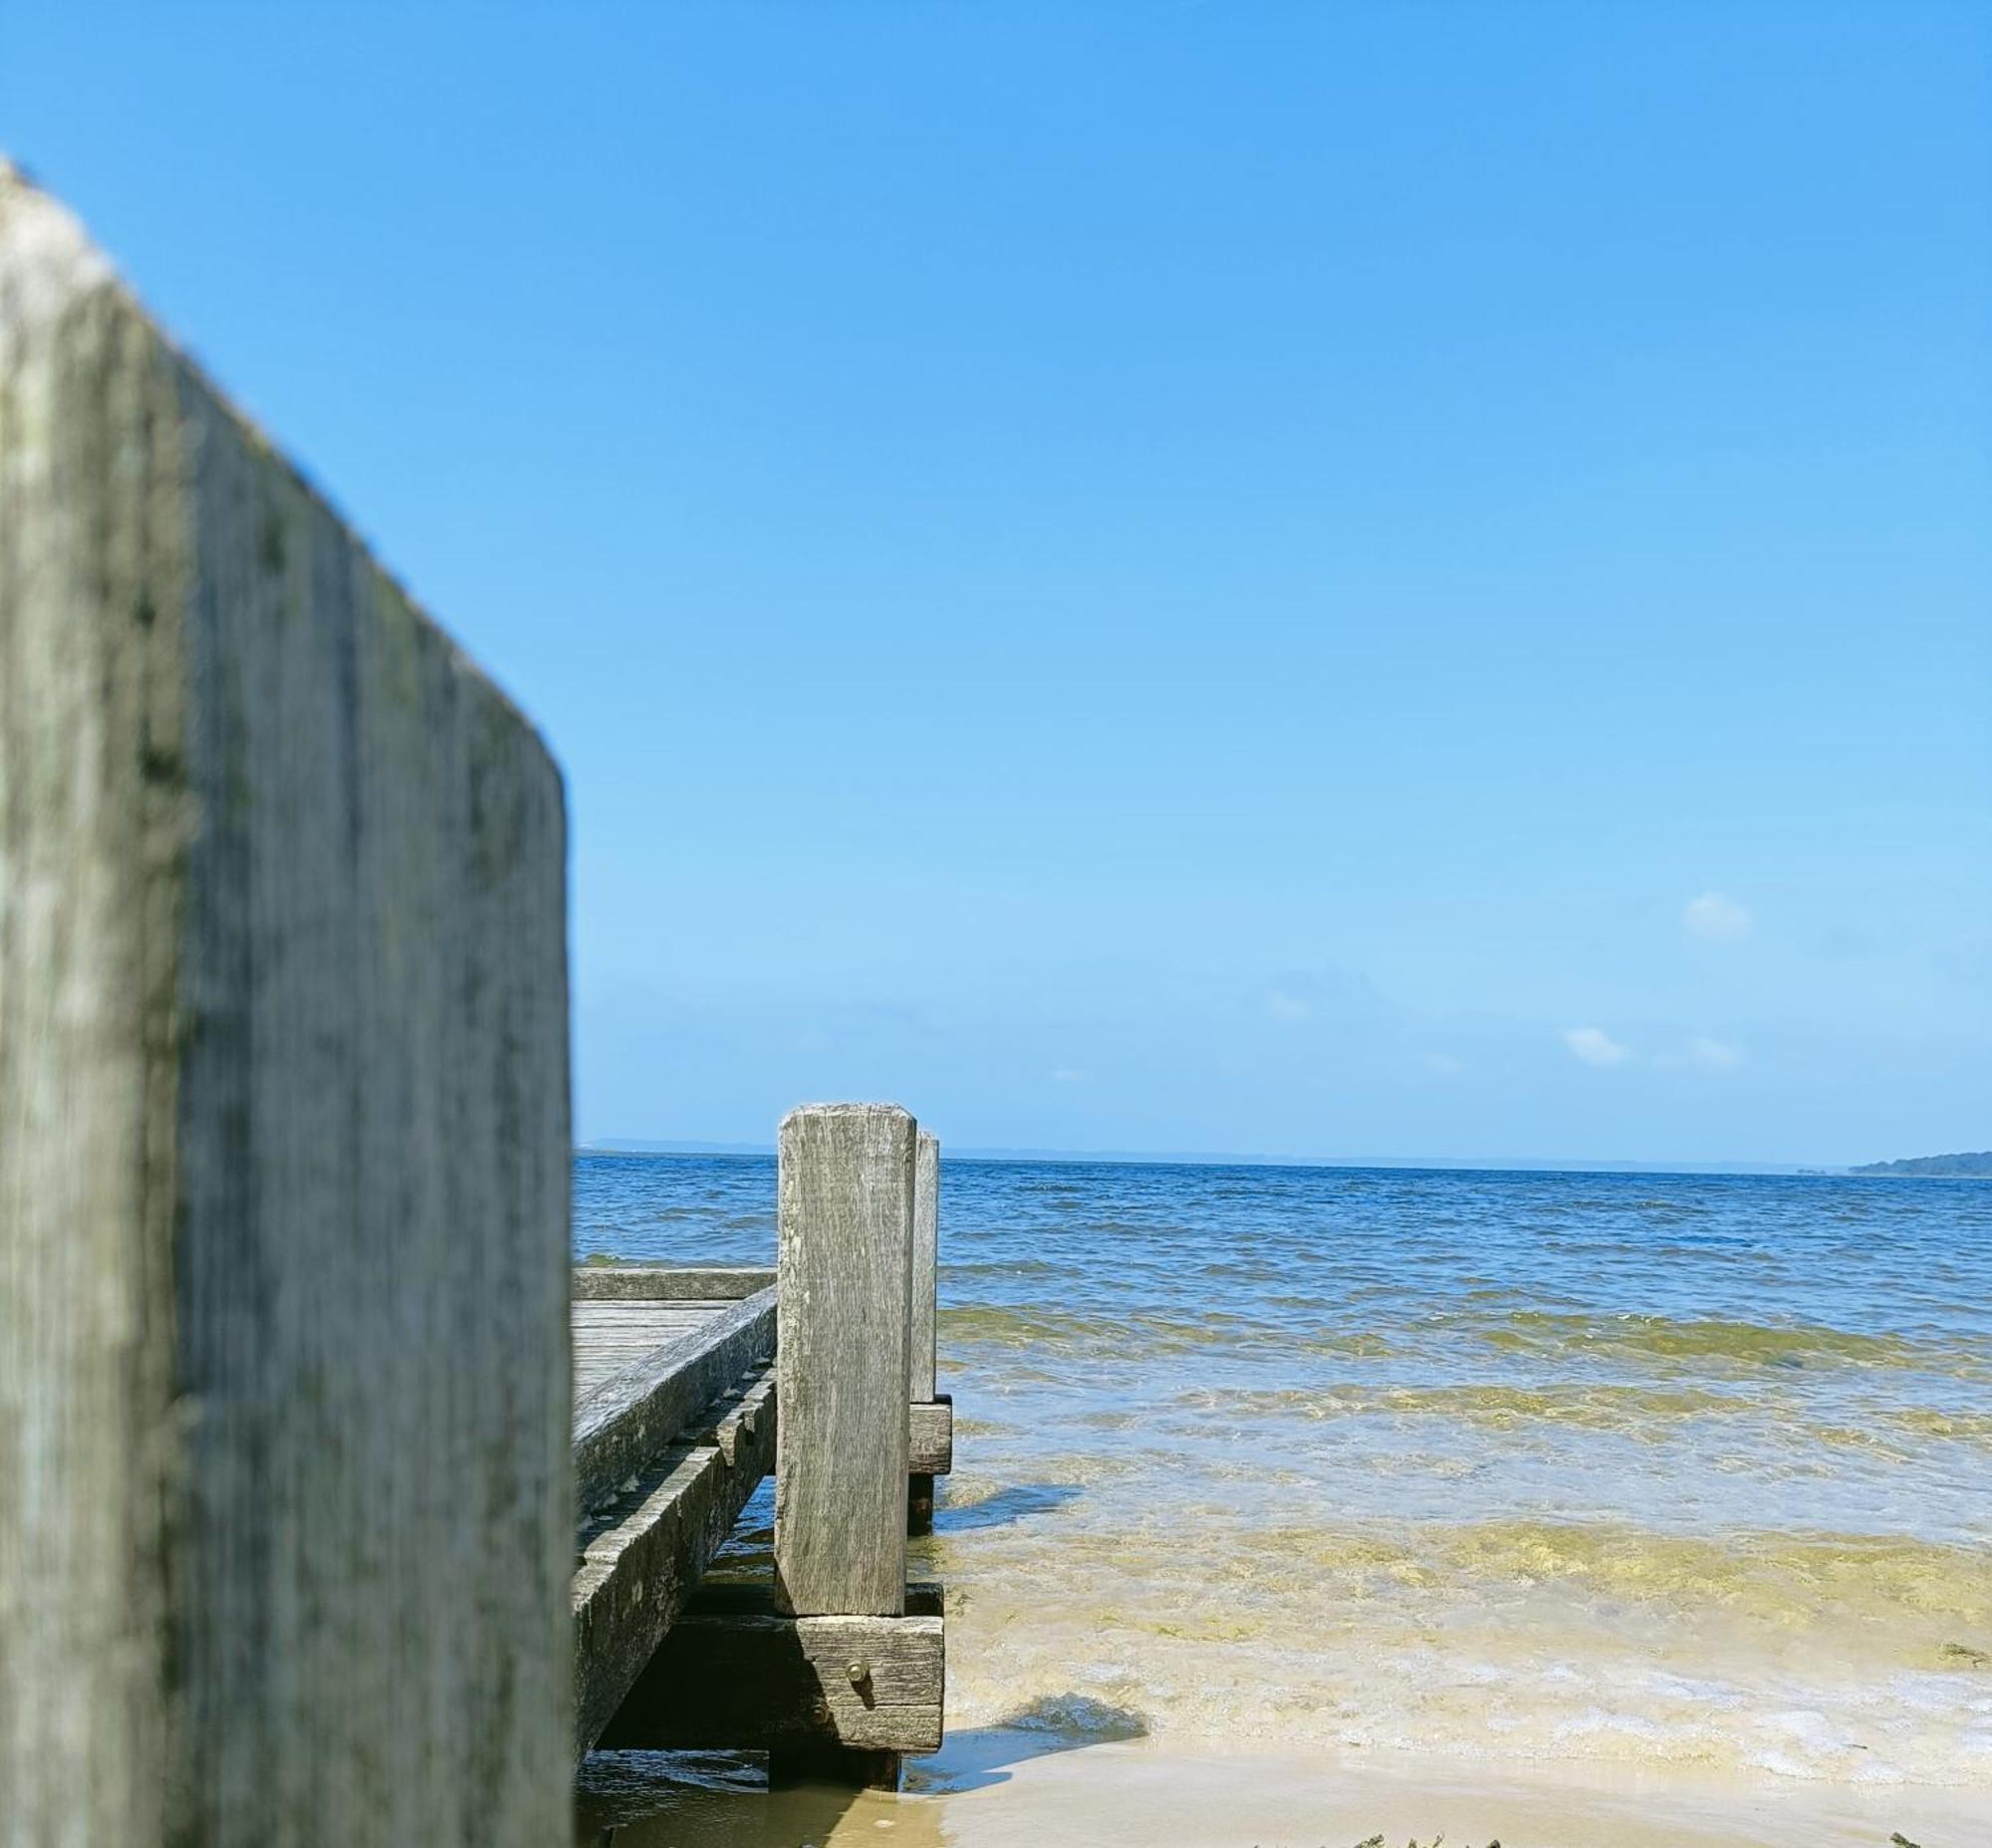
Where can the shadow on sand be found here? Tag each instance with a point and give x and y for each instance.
(1007, 1505)
(982, 1756)
(694, 1800)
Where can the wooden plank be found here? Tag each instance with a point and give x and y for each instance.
(925, 1287)
(644, 1311)
(845, 1212)
(684, 1283)
(641, 1559)
(925, 1315)
(624, 1425)
(759, 1681)
(286, 1525)
(607, 1336)
(930, 1436)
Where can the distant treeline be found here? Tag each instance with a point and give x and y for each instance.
(1951, 1166)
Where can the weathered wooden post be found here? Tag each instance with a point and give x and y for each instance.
(286, 1525)
(845, 1213)
(837, 1666)
(926, 1303)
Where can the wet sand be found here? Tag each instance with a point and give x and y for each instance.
(997, 1790)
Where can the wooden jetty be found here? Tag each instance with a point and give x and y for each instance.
(290, 1442)
(690, 1386)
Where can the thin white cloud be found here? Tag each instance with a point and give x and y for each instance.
(1287, 1007)
(1714, 1055)
(1334, 996)
(1444, 1063)
(1066, 1075)
(1716, 918)
(1595, 1046)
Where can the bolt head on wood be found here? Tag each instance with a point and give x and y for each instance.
(860, 1673)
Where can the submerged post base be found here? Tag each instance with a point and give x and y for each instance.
(842, 1765)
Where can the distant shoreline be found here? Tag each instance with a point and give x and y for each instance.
(1933, 1168)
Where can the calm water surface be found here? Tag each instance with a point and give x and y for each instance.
(1676, 1468)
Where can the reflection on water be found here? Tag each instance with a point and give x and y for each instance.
(1568, 1467)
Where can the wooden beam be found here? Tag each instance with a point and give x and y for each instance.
(622, 1426)
(668, 1282)
(750, 1678)
(924, 1311)
(930, 1438)
(641, 1558)
(286, 1525)
(924, 1297)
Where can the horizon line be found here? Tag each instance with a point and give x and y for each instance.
(630, 1145)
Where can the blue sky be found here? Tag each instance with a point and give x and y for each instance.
(1368, 579)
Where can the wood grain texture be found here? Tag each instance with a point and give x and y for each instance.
(844, 1211)
(641, 1559)
(930, 1436)
(927, 1253)
(287, 1529)
(614, 1282)
(626, 1421)
(607, 1336)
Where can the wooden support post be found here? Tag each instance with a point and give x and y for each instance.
(925, 1307)
(285, 1523)
(846, 1219)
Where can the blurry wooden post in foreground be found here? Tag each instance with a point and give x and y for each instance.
(845, 1213)
(925, 1305)
(286, 1525)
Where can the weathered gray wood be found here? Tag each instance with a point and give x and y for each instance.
(622, 1426)
(286, 1525)
(641, 1559)
(926, 1308)
(605, 1282)
(845, 1216)
(926, 1291)
(607, 1336)
(755, 1680)
(930, 1438)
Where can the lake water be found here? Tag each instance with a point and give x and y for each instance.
(1664, 1469)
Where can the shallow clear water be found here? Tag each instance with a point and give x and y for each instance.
(1684, 1467)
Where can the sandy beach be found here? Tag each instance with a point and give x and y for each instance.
(996, 1789)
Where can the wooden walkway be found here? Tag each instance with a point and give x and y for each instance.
(607, 1336)
(836, 1665)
